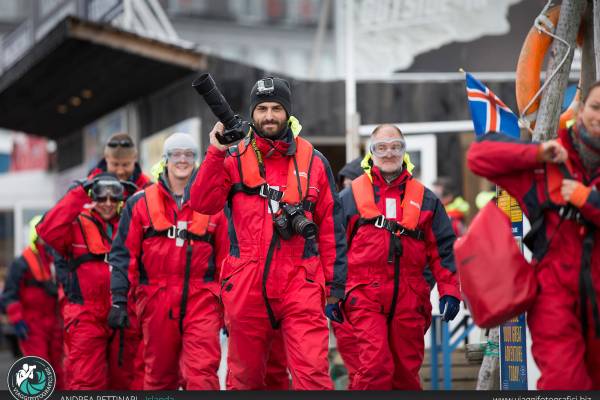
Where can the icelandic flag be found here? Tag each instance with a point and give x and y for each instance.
(488, 112)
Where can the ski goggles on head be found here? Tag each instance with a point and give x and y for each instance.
(120, 143)
(393, 146)
(180, 155)
(107, 188)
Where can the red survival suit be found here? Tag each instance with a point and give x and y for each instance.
(565, 340)
(175, 270)
(96, 357)
(394, 231)
(141, 181)
(30, 295)
(269, 283)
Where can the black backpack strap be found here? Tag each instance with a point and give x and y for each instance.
(186, 284)
(392, 226)
(586, 287)
(268, 193)
(537, 220)
(76, 263)
(395, 252)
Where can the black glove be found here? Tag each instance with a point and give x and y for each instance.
(451, 304)
(333, 312)
(117, 317)
(21, 330)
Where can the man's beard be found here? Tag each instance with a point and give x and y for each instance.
(281, 128)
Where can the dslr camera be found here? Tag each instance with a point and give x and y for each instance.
(291, 220)
(235, 127)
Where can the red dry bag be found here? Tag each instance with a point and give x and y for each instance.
(497, 282)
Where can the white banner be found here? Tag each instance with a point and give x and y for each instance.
(388, 34)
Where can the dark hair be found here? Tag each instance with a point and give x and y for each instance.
(594, 86)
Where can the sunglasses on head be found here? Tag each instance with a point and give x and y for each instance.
(120, 143)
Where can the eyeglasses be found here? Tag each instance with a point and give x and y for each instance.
(105, 198)
(181, 155)
(382, 147)
(120, 143)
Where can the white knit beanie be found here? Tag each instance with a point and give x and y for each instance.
(180, 141)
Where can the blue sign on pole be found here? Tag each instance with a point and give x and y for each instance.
(513, 354)
(513, 335)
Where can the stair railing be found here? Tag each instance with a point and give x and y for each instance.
(445, 341)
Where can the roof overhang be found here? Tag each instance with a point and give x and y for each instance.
(82, 70)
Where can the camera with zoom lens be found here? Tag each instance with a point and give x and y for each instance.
(292, 220)
(235, 127)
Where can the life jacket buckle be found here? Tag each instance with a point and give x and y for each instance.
(172, 232)
(106, 257)
(380, 221)
(264, 191)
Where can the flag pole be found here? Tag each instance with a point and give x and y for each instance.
(352, 117)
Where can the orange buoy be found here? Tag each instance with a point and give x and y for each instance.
(529, 68)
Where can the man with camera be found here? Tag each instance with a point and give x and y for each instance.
(287, 260)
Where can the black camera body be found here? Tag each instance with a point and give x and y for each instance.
(235, 127)
(291, 220)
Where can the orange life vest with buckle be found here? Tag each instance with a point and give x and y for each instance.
(34, 262)
(364, 197)
(96, 240)
(197, 230)
(297, 177)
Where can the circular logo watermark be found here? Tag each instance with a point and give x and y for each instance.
(31, 378)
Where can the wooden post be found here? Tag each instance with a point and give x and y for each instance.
(588, 61)
(597, 37)
(549, 113)
(489, 373)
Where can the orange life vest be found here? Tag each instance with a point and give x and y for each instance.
(34, 262)
(197, 230)
(298, 174)
(362, 191)
(96, 241)
(92, 235)
(554, 177)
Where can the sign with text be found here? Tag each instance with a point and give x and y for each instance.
(513, 336)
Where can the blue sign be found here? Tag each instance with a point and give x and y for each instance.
(513, 336)
(513, 354)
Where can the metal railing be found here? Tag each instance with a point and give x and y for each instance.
(445, 341)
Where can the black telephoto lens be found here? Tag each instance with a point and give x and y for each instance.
(207, 88)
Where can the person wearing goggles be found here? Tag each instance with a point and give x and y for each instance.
(81, 228)
(392, 238)
(180, 253)
(120, 159)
